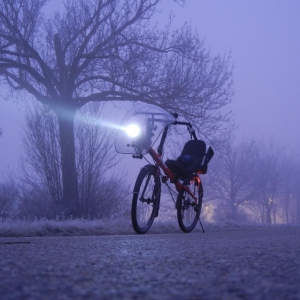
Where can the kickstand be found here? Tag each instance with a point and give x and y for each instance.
(201, 224)
(200, 221)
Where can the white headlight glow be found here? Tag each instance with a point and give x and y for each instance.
(132, 130)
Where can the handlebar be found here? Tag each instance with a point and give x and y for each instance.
(164, 135)
(189, 125)
(190, 128)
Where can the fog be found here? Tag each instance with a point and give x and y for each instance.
(264, 42)
(263, 38)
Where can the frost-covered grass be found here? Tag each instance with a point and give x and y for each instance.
(44, 227)
(81, 227)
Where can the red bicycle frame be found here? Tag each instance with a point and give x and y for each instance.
(157, 157)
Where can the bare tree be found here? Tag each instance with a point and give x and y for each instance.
(254, 181)
(296, 193)
(9, 195)
(270, 180)
(95, 161)
(230, 182)
(41, 166)
(290, 190)
(103, 50)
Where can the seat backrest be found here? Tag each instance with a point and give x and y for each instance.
(192, 154)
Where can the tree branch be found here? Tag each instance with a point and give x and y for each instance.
(25, 85)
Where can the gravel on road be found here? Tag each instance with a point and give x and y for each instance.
(225, 264)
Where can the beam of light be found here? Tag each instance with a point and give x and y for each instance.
(95, 121)
(132, 130)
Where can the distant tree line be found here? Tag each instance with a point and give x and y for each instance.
(253, 181)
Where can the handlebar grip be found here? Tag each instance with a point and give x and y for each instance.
(182, 123)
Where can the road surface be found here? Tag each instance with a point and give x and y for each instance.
(221, 264)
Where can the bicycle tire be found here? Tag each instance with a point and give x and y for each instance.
(187, 212)
(146, 198)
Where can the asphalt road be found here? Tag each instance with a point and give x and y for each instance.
(221, 264)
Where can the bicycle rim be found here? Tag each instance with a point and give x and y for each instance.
(187, 211)
(145, 199)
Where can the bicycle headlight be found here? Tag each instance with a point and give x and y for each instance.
(133, 130)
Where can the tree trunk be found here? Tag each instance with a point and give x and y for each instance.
(70, 206)
(268, 215)
(233, 211)
(298, 209)
(274, 213)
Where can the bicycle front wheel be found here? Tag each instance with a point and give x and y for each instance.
(188, 211)
(145, 200)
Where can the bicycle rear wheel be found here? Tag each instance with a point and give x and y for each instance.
(145, 200)
(187, 211)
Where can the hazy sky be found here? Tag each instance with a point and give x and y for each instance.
(264, 39)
